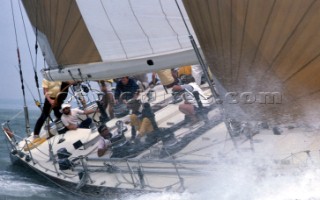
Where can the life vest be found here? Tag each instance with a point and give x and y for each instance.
(184, 70)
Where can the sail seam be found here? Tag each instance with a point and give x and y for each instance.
(63, 29)
(212, 32)
(242, 40)
(114, 30)
(56, 24)
(231, 42)
(134, 14)
(50, 25)
(70, 35)
(301, 68)
(288, 38)
(45, 29)
(262, 35)
(221, 37)
(162, 9)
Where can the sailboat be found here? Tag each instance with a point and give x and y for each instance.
(98, 40)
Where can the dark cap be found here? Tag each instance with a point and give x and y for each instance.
(101, 128)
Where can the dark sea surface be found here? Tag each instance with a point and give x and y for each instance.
(17, 182)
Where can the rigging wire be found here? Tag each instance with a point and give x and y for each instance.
(15, 116)
(21, 75)
(36, 47)
(38, 104)
(198, 54)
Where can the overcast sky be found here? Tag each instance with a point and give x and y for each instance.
(10, 84)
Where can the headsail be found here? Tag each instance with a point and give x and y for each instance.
(263, 46)
(101, 39)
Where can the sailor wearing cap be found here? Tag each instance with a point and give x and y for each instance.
(70, 117)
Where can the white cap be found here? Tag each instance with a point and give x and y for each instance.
(65, 105)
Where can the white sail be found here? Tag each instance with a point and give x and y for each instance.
(110, 38)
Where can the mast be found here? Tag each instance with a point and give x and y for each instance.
(197, 52)
(26, 113)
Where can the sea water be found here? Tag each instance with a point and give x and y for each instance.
(237, 181)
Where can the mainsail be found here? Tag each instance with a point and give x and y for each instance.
(263, 46)
(100, 39)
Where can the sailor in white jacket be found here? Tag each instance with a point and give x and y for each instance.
(190, 105)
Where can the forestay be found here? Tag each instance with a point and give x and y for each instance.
(100, 39)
